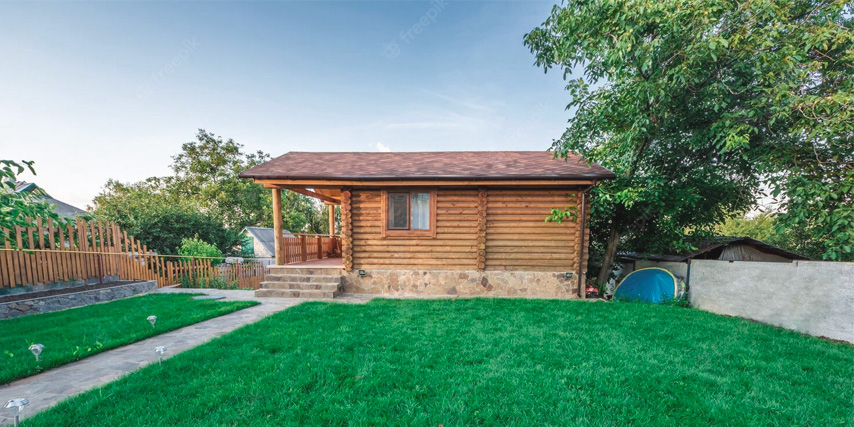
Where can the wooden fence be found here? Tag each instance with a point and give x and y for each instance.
(49, 252)
(306, 247)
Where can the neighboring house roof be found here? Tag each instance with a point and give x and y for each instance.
(708, 245)
(59, 207)
(24, 186)
(448, 165)
(266, 237)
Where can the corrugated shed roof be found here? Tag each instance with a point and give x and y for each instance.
(712, 243)
(438, 165)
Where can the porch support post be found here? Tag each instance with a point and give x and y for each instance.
(278, 228)
(331, 220)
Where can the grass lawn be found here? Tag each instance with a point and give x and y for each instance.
(77, 333)
(496, 362)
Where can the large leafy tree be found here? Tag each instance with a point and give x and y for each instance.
(206, 172)
(761, 88)
(203, 199)
(161, 220)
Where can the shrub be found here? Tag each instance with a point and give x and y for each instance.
(195, 247)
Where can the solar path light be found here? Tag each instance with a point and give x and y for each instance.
(15, 406)
(152, 320)
(160, 350)
(37, 350)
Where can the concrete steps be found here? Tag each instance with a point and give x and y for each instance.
(288, 282)
(295, 293)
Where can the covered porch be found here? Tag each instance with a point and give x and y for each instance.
(307, 250)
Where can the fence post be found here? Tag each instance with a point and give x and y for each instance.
(100, 269)
(303, 247)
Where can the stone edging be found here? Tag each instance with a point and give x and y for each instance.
(51, 303)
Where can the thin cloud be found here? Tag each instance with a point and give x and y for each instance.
(458, 101)
(428, 121)
(383, 148)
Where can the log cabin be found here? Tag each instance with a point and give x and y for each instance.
(434, 223)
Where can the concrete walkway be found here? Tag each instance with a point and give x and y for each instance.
(48, 388)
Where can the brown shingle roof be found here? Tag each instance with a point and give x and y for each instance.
(477, 165)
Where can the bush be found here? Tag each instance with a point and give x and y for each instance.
(196, 247)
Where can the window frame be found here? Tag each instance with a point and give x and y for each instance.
(408, 231)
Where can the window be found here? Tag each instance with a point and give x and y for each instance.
(398, 211)
(409, 213)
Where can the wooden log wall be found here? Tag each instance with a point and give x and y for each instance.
(477, 229)
(454, 248)
(517, 236)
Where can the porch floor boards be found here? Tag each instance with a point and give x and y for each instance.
(321, 263)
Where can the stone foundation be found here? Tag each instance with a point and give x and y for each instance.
(77, 299)
(523, 284)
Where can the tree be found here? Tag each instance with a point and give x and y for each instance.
(205, 198)
(768, 228)
(715, 84)
(158, 219)
(759, 227)
(206, 171)
(17, 208)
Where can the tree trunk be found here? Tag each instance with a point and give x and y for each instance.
(610, 254)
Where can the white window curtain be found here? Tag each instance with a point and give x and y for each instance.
(420, 211)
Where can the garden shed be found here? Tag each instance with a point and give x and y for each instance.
(724, 248)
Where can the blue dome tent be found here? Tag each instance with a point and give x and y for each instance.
(649, 284)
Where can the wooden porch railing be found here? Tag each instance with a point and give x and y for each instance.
(307, 247)
(47, 252)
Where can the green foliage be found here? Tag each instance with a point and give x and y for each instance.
(16, 208)
(767, 227)
(485, 362)
(569, 213)
(74, 334)
(204, 198)
(188, 281)
(760, 227)
(694, 103)
(195, 247)
(206, 172)
(301, 214)
(158, 219)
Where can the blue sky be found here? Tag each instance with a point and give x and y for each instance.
(100, 90)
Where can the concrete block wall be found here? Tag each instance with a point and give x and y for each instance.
(812, 297)
(679, 269)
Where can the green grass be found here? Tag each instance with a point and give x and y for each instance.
(494, 362)
(77, 333)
